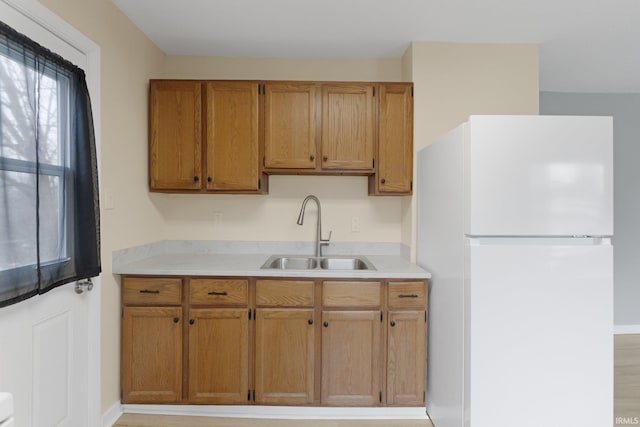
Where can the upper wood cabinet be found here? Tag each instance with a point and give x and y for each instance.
(394, 172)
(290, 125)
(229, 159)
(347, 126)
(232, 136)
(175, 135)
(228, 136)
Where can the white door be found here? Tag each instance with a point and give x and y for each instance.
(50, 344)
(539, 175)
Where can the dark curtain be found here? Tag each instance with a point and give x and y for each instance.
(49, 210)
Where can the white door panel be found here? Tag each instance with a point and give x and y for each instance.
(539, 175)
(50, 344)
(541, 317)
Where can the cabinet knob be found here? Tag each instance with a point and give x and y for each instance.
(325, 324)
(196, 178)
(393, 323)
(176, 319)
(310, 321)
(325, 158)
(382, 181)
(209, 179)
(312, 157)
(192, 321)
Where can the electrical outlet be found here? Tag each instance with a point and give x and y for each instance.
(355, 224)
(217, 219)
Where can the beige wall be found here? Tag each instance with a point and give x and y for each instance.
(451, 82)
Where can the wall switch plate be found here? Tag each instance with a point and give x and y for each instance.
(355, 224)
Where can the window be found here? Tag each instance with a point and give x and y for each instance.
(49, 216)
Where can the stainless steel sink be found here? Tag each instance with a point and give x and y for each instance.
(297, 262)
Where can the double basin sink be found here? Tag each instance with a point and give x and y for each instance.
(298, 262)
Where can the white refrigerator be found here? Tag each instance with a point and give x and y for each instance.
(514, 222)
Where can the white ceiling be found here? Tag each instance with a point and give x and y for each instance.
(585, 45)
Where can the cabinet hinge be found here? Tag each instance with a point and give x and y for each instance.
(411, 91)
(254, 313)
(373, 164)
(381, 315)
(259, 184)
(411, 186)
(249, 314)
(374, 91)
(425, 316)
(248, 394)
(380, 397)
(424, 396)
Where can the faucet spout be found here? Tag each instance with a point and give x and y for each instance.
(300, 221)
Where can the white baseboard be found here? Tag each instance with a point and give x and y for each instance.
(110, 417)
(281, 412)
(626, 329)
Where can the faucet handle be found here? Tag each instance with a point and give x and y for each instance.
(326, 242)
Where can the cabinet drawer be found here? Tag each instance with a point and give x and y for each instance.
(219, 292)
(408, 295)
(151, 291)
(351, 294)
(284, 293)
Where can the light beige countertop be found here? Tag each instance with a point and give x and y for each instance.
(224, 258)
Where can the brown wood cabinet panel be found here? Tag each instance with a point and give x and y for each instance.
(151, 355)
(175, 135)
(351, 294)
(232, 135)
(284, 360)
(395, 139)
(347, 126)
(284, 293)
(408, 295)
(151, 290)
(219, 292)
(351, 354)
(290, 133)
(218, 356)
(406, 358)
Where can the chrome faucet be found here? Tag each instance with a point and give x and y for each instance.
(319, 241)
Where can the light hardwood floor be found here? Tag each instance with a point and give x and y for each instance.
(627, 402)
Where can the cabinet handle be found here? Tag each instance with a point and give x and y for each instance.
(218, 293)
(325, 324)
(176, 319)
(192, 321)
(310, 321)
(312, 157)
(325, 158)
(147, 291)
(407, 296)
(209, 179)
(393, 323)
(382, 181)
(196, 178)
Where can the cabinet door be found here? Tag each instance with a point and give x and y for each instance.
(406, 358)
(284, 356)
(152, 355)
(395, 139)
(232, 136)
(290, 123)
(351, 353)
(175, 135)
(218, 355)
(347, 126)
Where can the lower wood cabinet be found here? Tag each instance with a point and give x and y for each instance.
(351, 368)
(152, 354)
(218, 355)
(273, 341)
(284, 356)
